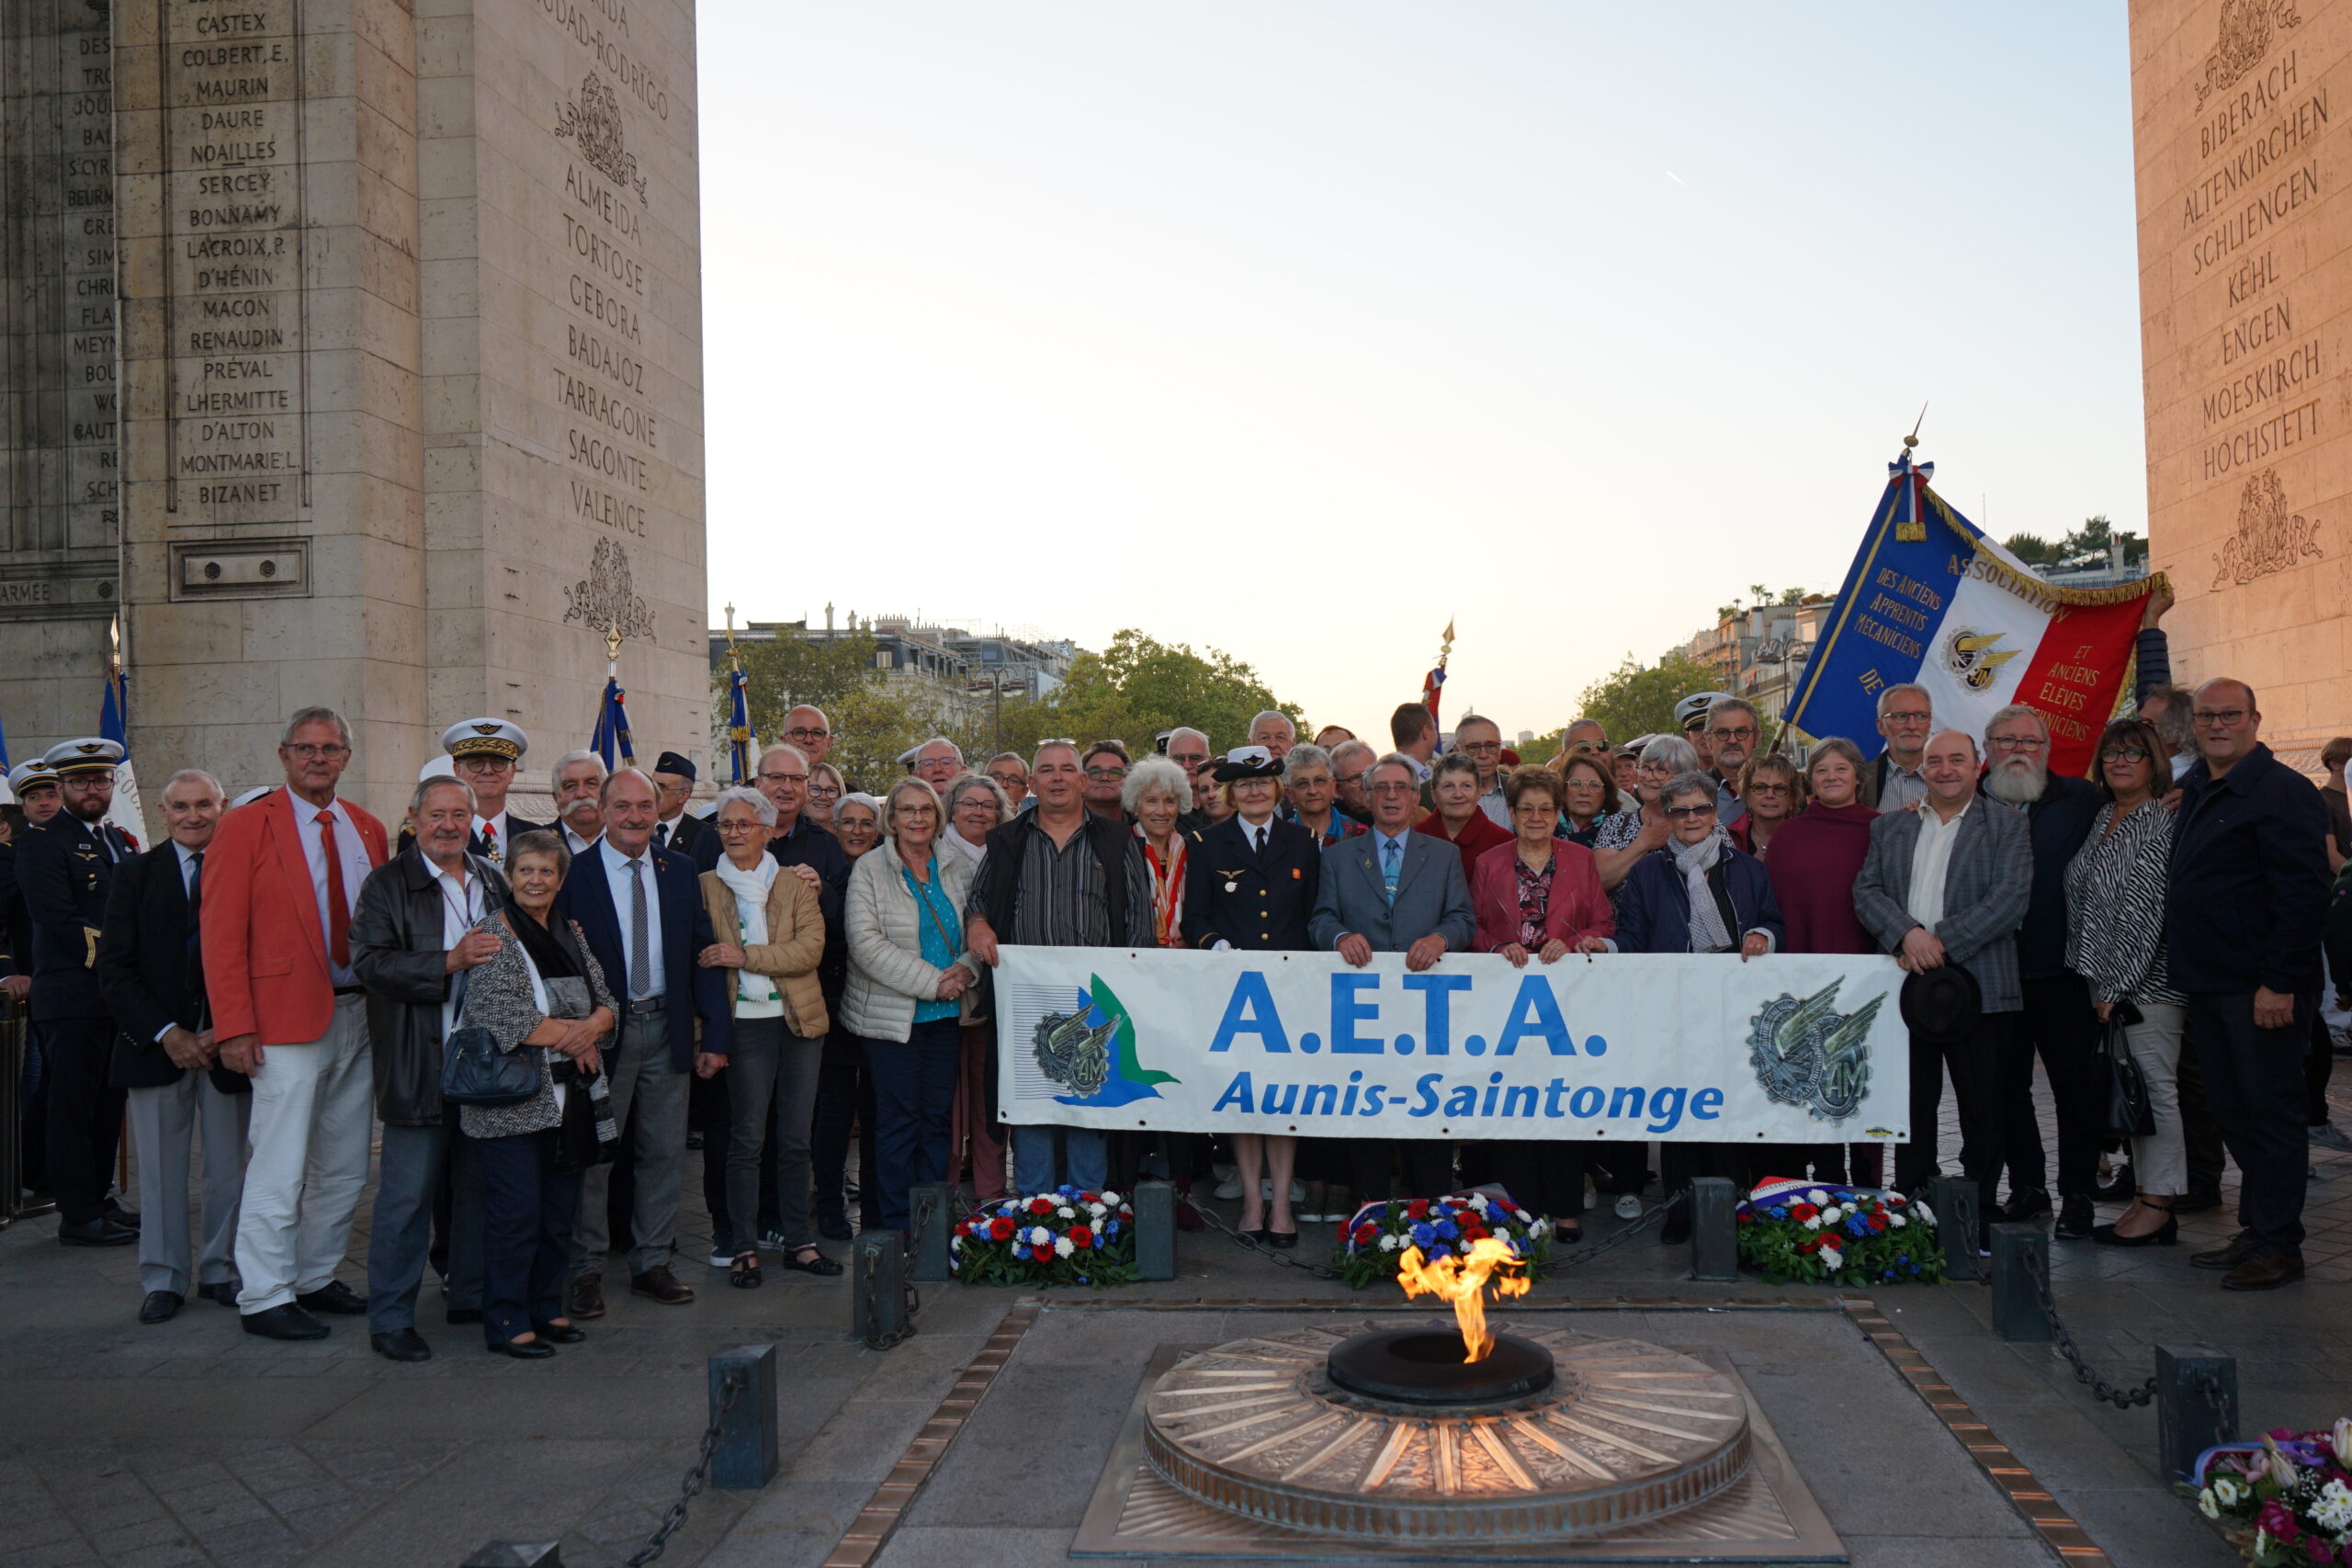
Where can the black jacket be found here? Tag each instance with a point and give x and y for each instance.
(2249, 881)
(398, 953)
(684, 834)
(2057, 825)
(1259, 903)
(65, 871)
(15, 920)
(151, 969)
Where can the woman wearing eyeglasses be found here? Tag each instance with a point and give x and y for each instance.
(1663, 759)
(1538, 896)
(1773, 793)
(1698, 894)
(825, 790)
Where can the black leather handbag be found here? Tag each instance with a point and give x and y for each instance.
(474, 1071)
(2129, 1114)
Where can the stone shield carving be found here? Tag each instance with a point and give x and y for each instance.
(2248, 29)
(605, 598)
(2268, 538)
(593, 118)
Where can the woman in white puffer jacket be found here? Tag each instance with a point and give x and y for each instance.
(908, 967)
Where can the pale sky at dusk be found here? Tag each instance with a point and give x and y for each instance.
(1296, 330)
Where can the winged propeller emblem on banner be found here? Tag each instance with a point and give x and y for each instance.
(1807, 1052)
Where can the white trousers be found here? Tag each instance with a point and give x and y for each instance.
(313, 1116)
(164, 1121)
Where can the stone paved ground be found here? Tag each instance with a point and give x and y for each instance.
(192, 1444)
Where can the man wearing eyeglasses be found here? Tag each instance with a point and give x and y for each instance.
(938, 760)
(2057, 1021)
(1351, 760)
(809, 729)
(280, 882)
(1105, 767)
(678, 829)
(1906, 718)
(2243, 911)
(1480, 739)
(1732, 734)
(1010, 770)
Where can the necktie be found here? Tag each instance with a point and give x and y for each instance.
(641, 954)
(338, 906)
(1392, 855)
(195, 902)
(1257, 841)
(662, 836)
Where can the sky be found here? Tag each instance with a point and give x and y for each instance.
(1296, 330)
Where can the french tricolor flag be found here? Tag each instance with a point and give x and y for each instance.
(1930, 599)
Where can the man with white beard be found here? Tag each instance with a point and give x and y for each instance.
(2057, 1020)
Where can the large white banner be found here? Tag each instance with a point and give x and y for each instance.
(1798, 1049)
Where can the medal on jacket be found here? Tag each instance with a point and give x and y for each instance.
(1232, 886)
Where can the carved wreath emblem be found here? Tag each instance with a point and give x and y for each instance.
(593, 118)
(2268, 538)
(2248, 29)
(607, 598)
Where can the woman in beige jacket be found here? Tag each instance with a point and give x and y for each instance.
(778, 935)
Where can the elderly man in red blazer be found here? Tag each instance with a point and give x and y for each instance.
(279, 884)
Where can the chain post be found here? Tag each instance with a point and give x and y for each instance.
(749, 1450)
(882, 1298)
(2021, 1258)
(674, 1519)
(2197, 1404)
(1957, 1216)
(1155, 1205)
(929, 1203)
(1714, 1230)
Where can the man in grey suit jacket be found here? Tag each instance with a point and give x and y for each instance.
(1949, 883)
(1426, 917)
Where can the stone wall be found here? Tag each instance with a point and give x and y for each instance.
(411, 370)
(2245, 282)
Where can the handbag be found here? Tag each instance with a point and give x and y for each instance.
(2129, 1114)
(474, 1071)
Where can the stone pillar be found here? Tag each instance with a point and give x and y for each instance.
(273, 511)
(562, 364)
(59, 532)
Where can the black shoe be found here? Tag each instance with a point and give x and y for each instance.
(2074, 1219)
(100, 1232)
(400, 1345)
(286, 1321)
(2119, 1186)
(1283, 1240)
(127, 1219)
(161, 1306)
(560, 1334)
(809, 1260)
(836, 1228)
(2197, 1201)
(223, 1293)
(2026, 1206)
(2165, 1235)
(456, 1316)
(2229, 1255)
(2266, 1271)
(531, 1350)
(334, 1297)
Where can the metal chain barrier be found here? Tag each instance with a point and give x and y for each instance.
(2121, 1398)
(891, 1340)
(675, 1520)
(1584, 1253)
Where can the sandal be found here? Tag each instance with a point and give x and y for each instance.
(744, 1272)
(807, 1259)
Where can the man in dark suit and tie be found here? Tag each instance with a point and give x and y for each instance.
(643, 913)
(677, 828)
(67, 867)
(1393, 890)
(151, 971)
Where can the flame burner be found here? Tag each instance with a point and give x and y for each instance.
(1425, 1365)
(1383, 1433)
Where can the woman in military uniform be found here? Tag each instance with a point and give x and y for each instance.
(1250, 884)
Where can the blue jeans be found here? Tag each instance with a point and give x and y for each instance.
(529, 1208)
(399, 1228)
(1038, 1165)
(914, 1103)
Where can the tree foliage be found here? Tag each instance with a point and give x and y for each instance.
(1140, 686)
(875, 715)
(1638, 699)
(2093, 538)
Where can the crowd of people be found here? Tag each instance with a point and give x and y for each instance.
(533, 1025)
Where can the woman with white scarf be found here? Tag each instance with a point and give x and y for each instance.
(1700, 893)
(780, 1023)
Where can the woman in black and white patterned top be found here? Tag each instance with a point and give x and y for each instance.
(2115, 926)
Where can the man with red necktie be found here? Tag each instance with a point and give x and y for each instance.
(280, 885)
